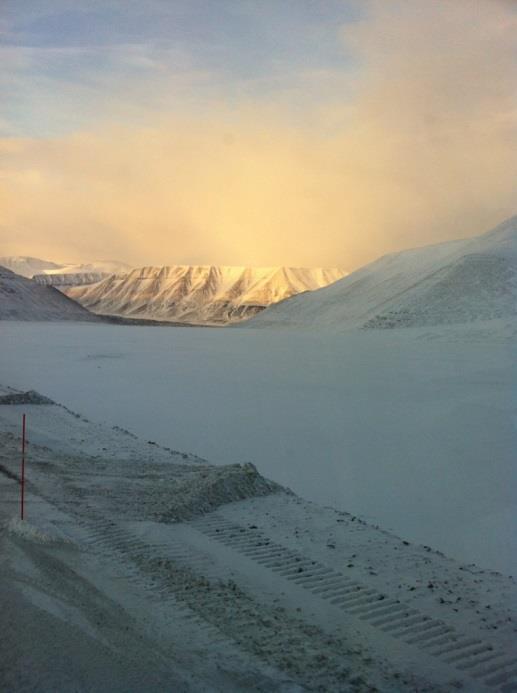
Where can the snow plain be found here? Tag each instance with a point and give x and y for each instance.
(411, 429)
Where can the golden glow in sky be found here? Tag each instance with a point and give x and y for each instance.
(410, 141)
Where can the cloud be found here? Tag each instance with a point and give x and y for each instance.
(417, 149)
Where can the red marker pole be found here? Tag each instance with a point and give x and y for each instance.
(23, 466)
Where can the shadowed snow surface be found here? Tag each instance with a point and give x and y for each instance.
(411, 428)
(24, 299)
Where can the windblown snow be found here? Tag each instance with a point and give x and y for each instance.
(24, 299)
(199, 294)
(449, 283)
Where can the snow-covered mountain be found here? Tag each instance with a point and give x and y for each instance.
(456, 282)
(25, 299)
(105, 267)
(81, 274)
(28, 266)
(199, 294)
(59, 274)
(79, 278)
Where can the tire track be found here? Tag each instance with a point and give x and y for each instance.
(482, 661)
(173, 575)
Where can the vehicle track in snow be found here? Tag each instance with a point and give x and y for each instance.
(483, 662)
(269, 641)
(176, 574)
(220, 601)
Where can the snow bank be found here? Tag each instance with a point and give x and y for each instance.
(207, 489)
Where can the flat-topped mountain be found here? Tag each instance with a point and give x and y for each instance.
(199, 294)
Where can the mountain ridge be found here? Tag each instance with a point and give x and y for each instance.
(199, 294)
(26, 265)
(58, 275)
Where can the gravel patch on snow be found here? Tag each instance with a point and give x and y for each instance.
(29, 397)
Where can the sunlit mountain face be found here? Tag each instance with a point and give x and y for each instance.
(199, 294)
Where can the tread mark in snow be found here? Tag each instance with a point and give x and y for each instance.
(397, 619)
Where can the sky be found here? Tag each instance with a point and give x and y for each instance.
(253, 132)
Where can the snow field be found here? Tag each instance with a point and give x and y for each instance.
(411, 429)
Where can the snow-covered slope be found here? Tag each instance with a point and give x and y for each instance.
(99, 267)
(24, 299)
(81, 274)
(456, 282)
(59, 274)
(199, 294)
(59, 279)
(28, 266)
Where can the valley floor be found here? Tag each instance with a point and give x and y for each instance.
(411, 429)
(143, 568)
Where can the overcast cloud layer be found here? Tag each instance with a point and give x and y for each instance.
(410, 140)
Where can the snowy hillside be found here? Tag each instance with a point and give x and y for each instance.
(59, 279)
(455, 282)
(59, 274)
(104, 267)
(81, 274)
(199, 294)
(24, 299)
(28, 266)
